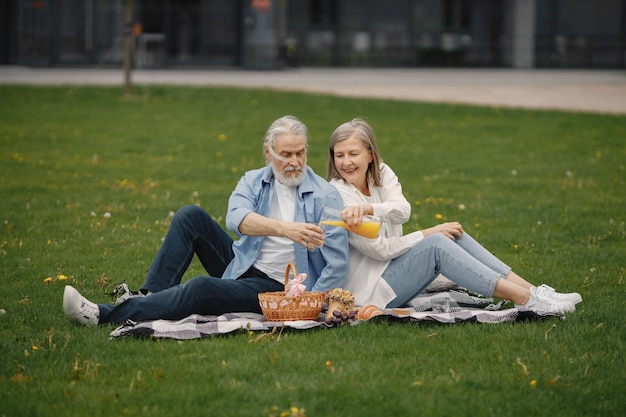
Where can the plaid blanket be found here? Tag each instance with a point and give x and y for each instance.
(464, 307)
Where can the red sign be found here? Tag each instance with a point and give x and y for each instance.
(261, 6)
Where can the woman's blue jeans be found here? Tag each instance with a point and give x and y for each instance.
(192, 231)
(463, 261)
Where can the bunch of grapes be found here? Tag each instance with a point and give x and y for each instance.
(338, 318)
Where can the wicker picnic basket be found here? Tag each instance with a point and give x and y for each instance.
(276, 306)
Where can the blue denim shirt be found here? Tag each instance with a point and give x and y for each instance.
(326, 267)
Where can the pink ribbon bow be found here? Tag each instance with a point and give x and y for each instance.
(295, 287)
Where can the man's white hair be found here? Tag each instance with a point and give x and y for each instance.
(284, 125)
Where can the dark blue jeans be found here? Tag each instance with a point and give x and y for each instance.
(192, 231)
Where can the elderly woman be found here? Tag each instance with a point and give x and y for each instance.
(393, 268)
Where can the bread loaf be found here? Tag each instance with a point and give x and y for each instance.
(368, 311)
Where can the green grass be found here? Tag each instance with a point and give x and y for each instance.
(545, 191)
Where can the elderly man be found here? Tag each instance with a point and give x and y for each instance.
(274, 210)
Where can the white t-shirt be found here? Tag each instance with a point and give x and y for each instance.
(277, 252)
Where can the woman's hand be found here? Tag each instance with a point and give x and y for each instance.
(353, 215)
(452, 230)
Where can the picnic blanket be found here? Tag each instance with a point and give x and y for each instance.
(464, 307)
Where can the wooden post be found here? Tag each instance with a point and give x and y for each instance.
(128, 46)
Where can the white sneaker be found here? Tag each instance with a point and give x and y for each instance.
(78, 309)
(548, 291)
(542, 304)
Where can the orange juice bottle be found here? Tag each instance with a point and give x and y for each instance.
(367, 229)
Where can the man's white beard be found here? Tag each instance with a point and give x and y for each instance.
(290, 181)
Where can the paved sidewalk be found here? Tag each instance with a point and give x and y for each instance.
(602, 91)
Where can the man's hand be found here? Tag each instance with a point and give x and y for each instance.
(306, 234)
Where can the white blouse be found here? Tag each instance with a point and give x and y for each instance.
(369, 258)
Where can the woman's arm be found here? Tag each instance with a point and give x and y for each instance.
(391, 205)
(452, 230)
(384, 247)
(394, 207)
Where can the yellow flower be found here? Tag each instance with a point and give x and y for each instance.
(48, 280)
(221, 137)
(533, 384)
(61, 277)
(438, 216)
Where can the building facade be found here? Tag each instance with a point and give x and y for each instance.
(270, 34)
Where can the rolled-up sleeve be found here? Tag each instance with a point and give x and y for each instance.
(247, 197)
(395, 208)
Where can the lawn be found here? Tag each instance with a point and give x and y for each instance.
(90, 180)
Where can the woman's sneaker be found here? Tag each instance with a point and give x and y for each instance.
(540, 303)
(548, 291)
(78, 309)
